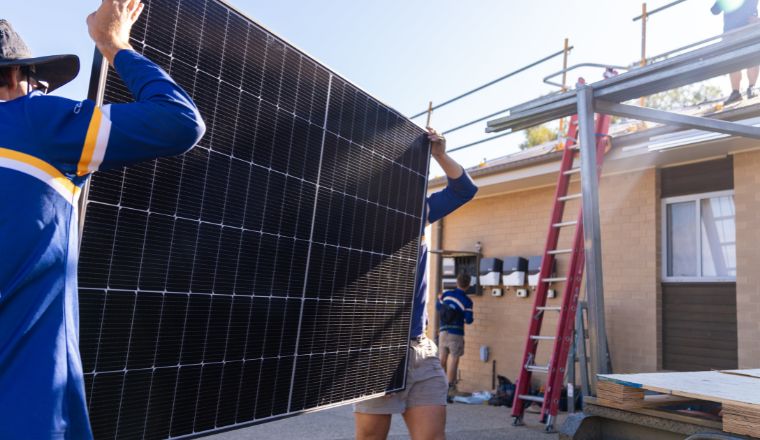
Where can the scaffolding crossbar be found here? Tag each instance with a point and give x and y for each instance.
(742, 50)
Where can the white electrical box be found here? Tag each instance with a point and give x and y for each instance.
(551, 293)
(533, 279)
(522, 293)
(449, 267)
(534, 270)
(514, 279)
(490, 279)
(497, 292)
(513, 271)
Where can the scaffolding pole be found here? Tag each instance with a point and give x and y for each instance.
(592, 230)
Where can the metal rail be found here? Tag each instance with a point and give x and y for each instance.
(490, 83)
(482, 141)
(484, 118)
(664, 117)
(682, 49)
(578, 66)
(661, 8)
(739, 52)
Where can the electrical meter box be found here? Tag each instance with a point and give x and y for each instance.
(490, 271)
(452, 266)
(513, 271)
(534, 269)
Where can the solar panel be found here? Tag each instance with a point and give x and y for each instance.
(268, 271)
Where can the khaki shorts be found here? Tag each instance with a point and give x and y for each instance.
(425, 383)
(450, 343)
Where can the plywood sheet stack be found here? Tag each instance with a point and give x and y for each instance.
(740, 419)
(619, 396)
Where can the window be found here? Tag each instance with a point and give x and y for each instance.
(699, 237)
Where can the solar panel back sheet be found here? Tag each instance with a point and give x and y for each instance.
(268, 271)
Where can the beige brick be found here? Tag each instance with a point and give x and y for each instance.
(747, 202)
(516, 224)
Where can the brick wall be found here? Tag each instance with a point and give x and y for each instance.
(629, 206)
(516, 224)
(747, 201)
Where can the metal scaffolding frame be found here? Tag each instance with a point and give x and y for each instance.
(740, 50)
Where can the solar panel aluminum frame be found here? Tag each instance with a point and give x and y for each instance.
(96, 93)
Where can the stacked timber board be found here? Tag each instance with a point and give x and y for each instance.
(619, 396)
(738, 391)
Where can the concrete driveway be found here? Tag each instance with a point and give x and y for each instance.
(463, 422)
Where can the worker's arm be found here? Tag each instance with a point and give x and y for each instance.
(80, 138)
(457, 192)
(460, 188)
(468, 315)
(110, 25)
(163, 120)
(716, 8)
(438, 150)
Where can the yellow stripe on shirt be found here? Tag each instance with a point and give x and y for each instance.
(83, 168)
(41, 170)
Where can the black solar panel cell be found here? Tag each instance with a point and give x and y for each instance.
(268, 271)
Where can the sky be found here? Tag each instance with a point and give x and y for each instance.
(409, 52)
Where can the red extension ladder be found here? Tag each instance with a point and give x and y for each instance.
(563, 338)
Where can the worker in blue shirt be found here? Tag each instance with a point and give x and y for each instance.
(737, 14)
(423, 402)
(48, 148)
(454, 310)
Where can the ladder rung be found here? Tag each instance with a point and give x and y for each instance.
(549, 309)
(570, 197)
(538, 399)
(537, 368)
(572, 171)
(542, 338)
(555, 280)
(564, 224)
(560, 251)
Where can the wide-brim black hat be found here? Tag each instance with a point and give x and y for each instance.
(55, 70)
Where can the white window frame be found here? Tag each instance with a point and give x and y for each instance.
(697, 198)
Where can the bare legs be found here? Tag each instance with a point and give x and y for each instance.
(736, 80)
(451, 371)
(372, 426)
(426, 422)
(752, 75)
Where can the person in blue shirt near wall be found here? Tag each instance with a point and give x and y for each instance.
(454, 309)
(423, 402)
(48, 148)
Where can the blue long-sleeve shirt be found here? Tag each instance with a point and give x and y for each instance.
(457, 192)
(48, 148)
(735, 15)
(458, 299)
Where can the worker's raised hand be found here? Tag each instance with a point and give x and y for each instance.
(437, 142)
(111, 24)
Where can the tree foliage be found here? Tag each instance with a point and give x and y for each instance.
(538, 135)
(674, 99)
(686, 96)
